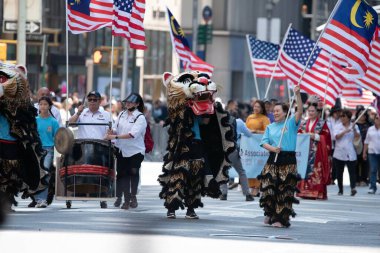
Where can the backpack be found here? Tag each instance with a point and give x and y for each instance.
(148, 139)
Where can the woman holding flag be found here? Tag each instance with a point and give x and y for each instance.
(314, 186)
(279, 176)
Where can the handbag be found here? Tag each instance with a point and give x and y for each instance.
(358, 144)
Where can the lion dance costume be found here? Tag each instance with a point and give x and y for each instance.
(194, 167)
(21, 153)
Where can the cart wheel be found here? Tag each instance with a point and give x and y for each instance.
(68, 204)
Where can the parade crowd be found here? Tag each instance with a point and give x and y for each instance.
(338, 138)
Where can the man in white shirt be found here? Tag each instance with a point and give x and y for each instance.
(44, 92)
(92, 114)
(372, 145)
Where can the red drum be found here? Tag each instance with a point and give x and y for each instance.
(88, 171)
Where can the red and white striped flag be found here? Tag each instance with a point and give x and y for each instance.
(350, 32)
(293, 58)
(89, 15)
(128, 22)
(264, 57)
(371, 80)
(188, 59)
(365, 100)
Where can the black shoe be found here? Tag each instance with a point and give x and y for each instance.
(223, 197)
(133, 203)
(117, 202)
(103, 204)
(49, 198)
(32, 204)
(249, 197)
(190, 214)
(340, 193)
(170, 214)
(233, 185)
(353, 192)
(125, 206)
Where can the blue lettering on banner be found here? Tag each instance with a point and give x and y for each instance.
(254, 157)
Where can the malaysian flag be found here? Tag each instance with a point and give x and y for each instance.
(371, 80)
(88, 15)
(293, 59)
(264, 57)
(349, 34)
(128, 22)
(187, 58)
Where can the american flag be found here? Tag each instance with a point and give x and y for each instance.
(188, 59)
(293, 59)
(88, 15)
(365, 100)
(128, 22)
(371, 80)
(349, 34)
(264, 57)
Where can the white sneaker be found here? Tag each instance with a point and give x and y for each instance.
(42, 204)
(371, 191)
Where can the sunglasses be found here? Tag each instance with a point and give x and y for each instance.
(342, 116)
(92, 100)
(313, 104)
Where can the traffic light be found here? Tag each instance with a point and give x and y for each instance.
(97, 56)
(102, 55)
(3, 51)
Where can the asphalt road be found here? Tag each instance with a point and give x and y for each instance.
(340, 224)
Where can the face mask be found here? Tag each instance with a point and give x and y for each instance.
(132, 109)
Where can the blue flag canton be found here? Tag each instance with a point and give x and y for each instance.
(263, 50)
(299, 48)
(356, 15)
(124, 5)
(177, 30)
(82, 6)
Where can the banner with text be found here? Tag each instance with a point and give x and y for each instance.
(254, 157)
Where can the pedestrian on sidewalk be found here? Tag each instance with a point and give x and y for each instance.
(239, 129)
(372, 146)
(279, 176)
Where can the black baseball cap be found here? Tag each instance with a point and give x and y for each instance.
(94, 93)
(133, 98)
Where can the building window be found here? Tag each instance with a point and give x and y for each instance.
(158, 58)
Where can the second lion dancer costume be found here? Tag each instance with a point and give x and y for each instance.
(200, 140)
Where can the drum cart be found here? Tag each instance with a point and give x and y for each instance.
(86, 170)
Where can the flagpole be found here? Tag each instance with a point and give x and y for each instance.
(111, 75)
(252, 65)
(67, 65)
(304, 70)
(172, 39)
(278, 58)
(289, 91)
(327, 83)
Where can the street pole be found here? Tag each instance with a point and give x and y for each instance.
(124, 77)
(21, 38)
(195, 25)
(43, 62)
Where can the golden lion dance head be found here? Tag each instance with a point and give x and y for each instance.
(194, 88)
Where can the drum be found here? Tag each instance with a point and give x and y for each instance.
(89, 171)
